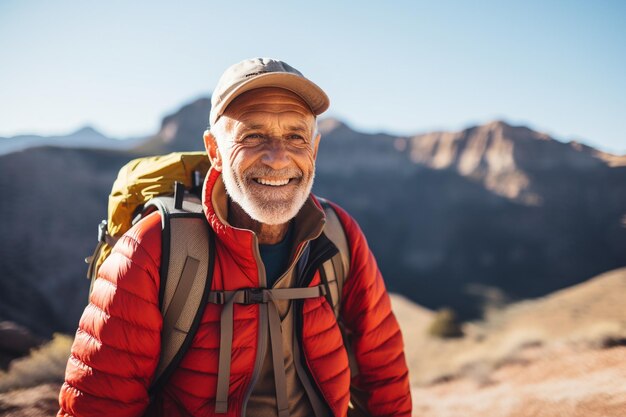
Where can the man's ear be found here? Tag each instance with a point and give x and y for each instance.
(210, 144)
(316, 143)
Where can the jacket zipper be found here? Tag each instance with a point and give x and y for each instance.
(323, 255)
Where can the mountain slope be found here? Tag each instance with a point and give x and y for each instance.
(585, 316)
(53, 199)
(561, 354)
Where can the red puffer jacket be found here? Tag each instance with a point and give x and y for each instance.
(117, 344)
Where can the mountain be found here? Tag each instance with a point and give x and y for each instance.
(503, 157)
(85, 137)
(486, 215)
(471, 219)
(181, 130)
(52, 200)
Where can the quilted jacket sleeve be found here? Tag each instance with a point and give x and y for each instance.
(376, 338)
(117, 343)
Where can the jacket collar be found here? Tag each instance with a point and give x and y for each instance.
(309, 222)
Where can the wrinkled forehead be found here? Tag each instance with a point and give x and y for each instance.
(268, 99)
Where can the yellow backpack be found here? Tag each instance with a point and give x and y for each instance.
(139, 181)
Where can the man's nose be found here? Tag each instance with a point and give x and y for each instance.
(276, 154)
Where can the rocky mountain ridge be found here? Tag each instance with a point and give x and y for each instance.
(502, 156)
(483, 216)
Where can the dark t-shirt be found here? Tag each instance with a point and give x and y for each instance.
(276, 257)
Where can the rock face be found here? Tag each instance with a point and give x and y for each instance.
(502, 157)
(482, 216)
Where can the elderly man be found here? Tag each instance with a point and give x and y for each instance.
(285, 355)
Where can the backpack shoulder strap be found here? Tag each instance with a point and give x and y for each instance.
(186, 272)
(335, 271)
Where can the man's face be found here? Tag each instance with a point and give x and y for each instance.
(266, 149)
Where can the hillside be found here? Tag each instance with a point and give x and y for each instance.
(53, 200)
(587, 315)
(560, 355)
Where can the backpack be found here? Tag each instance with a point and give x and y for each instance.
(171, 184)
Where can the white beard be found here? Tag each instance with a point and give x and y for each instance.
(268, 205)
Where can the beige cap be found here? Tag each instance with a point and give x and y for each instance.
(264, 72)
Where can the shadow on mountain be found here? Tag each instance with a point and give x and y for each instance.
(53, 200)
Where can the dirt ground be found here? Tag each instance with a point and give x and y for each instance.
(31, 402)
(561, 383)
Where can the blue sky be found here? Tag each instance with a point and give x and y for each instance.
(402, 67)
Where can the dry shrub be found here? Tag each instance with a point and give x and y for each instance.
(611, 342)
(44, 364)
(443, 379)
(602, 335)
(445, 324)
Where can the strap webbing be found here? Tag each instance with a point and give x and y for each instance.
(256, 296)
(103, 238)
(170, 318)
(334, 231)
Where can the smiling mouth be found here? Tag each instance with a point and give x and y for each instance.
(273, 183)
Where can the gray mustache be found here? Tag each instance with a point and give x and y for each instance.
(272, 173)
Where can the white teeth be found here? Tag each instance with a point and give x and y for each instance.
(274, 183)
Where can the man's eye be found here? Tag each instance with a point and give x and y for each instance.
(296, 138)
(253, 138)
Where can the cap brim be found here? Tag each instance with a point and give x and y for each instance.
(310, 92)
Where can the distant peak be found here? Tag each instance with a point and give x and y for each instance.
(87, 130)
(495, 124)
(198, 108)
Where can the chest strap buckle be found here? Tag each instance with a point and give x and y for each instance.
(254, 296)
